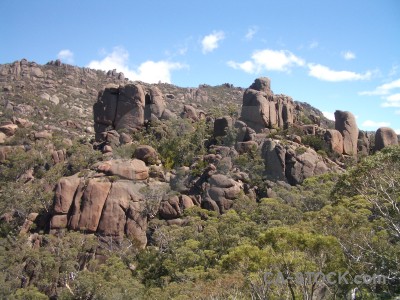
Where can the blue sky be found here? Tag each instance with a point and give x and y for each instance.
(332, 54)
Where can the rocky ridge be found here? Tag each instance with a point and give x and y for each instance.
(116, 197)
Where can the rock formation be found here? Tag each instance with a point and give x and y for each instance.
(110, 206)
(384, 137)
(126, 107)
(334, 139)
(345, 123)
(262, 109)
(293, 163)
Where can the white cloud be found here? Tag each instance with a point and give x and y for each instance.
(373, 124)
(392, 101)
(269, 60)
(383, 89)
(247, 66)
(397, 112)
(251, 32)
(348, 55)
(66, 55)
(324, 73)
(329, 115)
(397, 131)
(211, 42)
(148, 71)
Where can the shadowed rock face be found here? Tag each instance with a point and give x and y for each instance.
(126, 107)
(262, 109)
(293, 163)
(345, 123)
(384, 137)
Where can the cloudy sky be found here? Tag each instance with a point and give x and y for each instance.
(342, 54)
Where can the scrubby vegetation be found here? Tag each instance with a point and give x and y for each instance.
(330, 223)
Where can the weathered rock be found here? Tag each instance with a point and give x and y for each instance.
(127, 107)
(293, 163)
(309, 129)
(186, 202)
(87, 212)
(98, 205)
(190, 112)
(363, 144)
(262, 109)
(221, 125)
(122, 200)
(345, 123)
(334, 140)
(2, 138)
(28, 223)
(9, 129)
(301, 166)
(168, 115)
(274, 157)
(146, 153)
(223, 190)
(170, 208)
(262, 84)
(384, 137)
(43, 135)
(125, 138)
(65, 193)
(133, 169)
(59, 156)
(246, 147)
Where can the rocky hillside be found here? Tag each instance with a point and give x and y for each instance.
(90, 152)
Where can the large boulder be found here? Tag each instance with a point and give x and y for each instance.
(221, 125)
(223, 190)
(345, 123)
(384, 137)
(146, 153)
(262, 109)
(126, 107)
(101, 205)
(334, 139)
(132, 169)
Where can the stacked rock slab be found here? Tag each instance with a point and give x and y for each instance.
(384, 137)
(126, 107)
(345, 123)
(109, 206)
(262, 109)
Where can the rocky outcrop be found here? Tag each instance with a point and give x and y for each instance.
(363, 145)
(173, 207)
(146, 153)
(221, 125)
(189, 112)
(126, 107)
(262, 109)
(384, 137)
(221, 193)
(345, 123)
(104, 205)
(293, 163)
(334, 140)
(132, 169)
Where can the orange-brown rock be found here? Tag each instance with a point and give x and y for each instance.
(345, 123)
(384, 137)
(334, 139)
(133, 169)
